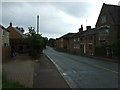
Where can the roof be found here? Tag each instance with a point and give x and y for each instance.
(114, 10)
(89, 32)
(19, 32)
(4, 28)
(68, 35)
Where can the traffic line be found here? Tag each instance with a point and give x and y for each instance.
(106, 69)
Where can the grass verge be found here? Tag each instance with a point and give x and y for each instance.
(9, 84)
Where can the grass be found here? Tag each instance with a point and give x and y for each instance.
(9, 84)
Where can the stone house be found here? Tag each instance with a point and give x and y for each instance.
(4, 44)
(108, 25)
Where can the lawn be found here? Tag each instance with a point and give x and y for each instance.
(9, 84)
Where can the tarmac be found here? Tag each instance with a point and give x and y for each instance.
(40, 73)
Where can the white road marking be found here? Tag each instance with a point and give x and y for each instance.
(64, 74)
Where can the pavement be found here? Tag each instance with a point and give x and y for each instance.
(47, 75)
(40, 73)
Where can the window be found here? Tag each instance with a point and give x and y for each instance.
(103, 19)
(81, 39)
(90, 47)
(62, 40)
(103, 33)
(78, 39)
(90, 37)
(86, 38)
(4, 32)
(74, 39)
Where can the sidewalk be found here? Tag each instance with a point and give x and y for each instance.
(47, 76)
(35, 74)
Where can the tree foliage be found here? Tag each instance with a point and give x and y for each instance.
(116, 47)
(36, 41)
(52, 42)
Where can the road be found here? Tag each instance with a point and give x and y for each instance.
(84, 72)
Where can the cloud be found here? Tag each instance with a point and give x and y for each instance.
(56, 18)
(52, 19)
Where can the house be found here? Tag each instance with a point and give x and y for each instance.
(63, 43)
(87, 41)
(74, 41)
(17, 38)
(108, 26)
(84, 41)
(4, 43)
(81, 43)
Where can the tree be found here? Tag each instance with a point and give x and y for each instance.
(52, 42)
(45, 41)
(36, 43)
(31, 31)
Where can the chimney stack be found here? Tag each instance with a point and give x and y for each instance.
(88, 27)
(81, 29)
(10, 24)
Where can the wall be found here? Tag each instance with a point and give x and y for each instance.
(13, 33)
(6, 53)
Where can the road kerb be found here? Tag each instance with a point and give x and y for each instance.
(60, 71)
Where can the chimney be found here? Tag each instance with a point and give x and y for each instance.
(10, 24)
(81, 29)
(88, 27)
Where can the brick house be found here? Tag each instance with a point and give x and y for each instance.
(84, 41)
(4, 43)
(63, 43)
(108, 25)
(74, 42)
(16, 38)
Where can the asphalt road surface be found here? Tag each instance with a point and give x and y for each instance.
(84, 72)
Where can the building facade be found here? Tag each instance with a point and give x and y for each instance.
(108, 26)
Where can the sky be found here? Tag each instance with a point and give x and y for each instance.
(57, 17)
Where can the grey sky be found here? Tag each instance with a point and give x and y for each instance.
(56, 18)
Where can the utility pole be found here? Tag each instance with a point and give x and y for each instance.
(38, 24)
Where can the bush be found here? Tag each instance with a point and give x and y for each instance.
(101, 50)
(36, 43)
(116, 47)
